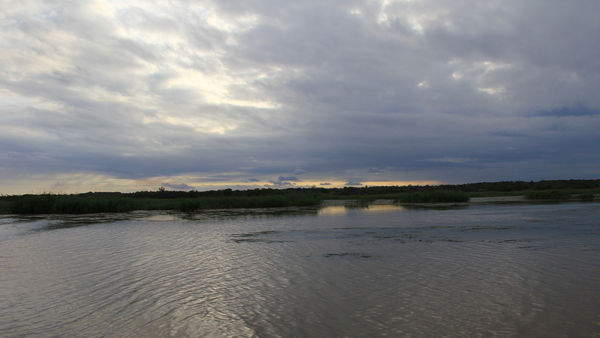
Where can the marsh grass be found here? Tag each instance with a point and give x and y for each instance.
(70, 204)
(77, 204)
(496, 193)
(548, 195)
(586, 196)
(194, 201)
(434, 197)
(4, 207)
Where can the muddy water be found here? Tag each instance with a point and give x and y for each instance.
(511, 270)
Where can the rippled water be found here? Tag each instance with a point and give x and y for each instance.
(519, 270)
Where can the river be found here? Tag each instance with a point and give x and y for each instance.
(482, 270)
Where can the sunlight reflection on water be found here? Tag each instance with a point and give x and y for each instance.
(342, 209)
(489, 270)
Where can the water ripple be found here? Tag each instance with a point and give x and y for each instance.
(494, 271)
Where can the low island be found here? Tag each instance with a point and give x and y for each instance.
(194, 201)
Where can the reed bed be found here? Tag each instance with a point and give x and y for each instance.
(70, 204)
(194, 201)
(76, 204)
(548, 195)
(587, 196)
(4, 207)
(434, 197)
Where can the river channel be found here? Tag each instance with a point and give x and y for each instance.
(480, 270)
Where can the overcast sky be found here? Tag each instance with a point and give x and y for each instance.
(131, 95)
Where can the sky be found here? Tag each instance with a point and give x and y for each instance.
(134, 95)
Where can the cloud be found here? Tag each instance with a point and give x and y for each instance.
(451, 160)
(57, 187)
(352, 183)
(568, 111)
(254, 180)
(181, 186)
(325, 183)
(285, 181)
(376, 170)
(228, 90)
(280, 184)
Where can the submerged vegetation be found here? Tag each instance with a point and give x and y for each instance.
(193, 201)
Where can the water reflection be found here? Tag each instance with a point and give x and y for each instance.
(342, 209)
(332, 207)
(490, 271)
(333, 210)
(65, 221)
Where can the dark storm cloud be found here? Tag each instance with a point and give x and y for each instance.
(450, 90)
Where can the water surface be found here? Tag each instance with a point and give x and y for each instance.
(515, 270)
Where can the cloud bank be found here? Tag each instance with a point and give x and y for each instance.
(128, 95)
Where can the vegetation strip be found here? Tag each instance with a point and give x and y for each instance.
(76, 204)
(192, 201)
(558, 195)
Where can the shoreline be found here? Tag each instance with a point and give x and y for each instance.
(472, 200)
(194, 205)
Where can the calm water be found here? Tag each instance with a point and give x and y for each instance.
(519, 270)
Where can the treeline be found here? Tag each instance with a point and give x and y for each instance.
(505, 186)
(170, 194)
